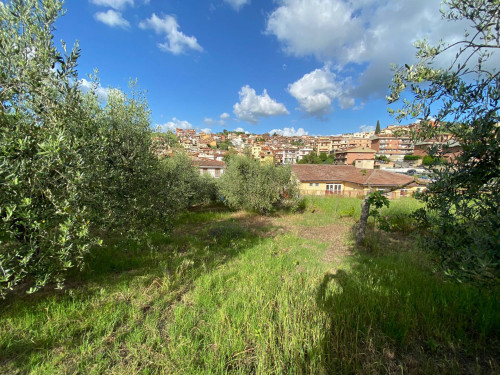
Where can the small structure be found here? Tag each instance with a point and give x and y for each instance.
(322, 179)
(213, 168)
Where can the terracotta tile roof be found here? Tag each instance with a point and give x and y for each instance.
(348, 173)
(208, 163)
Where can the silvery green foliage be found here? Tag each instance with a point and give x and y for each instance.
(72, 168)
(43, 229)
(464, 98)
(256, 187)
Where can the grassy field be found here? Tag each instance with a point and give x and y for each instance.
(232, 292)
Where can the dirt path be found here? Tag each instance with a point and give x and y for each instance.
(336, 234)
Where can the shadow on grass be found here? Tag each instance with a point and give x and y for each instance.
(133, 268)
(390, 314)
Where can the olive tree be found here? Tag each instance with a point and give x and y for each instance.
(43, 229)
(463, 98)
(256, 187)
(72, 168)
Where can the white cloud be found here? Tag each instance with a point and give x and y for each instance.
(88, 86)
(366, 128)
(314, 27)
(174, 124)
(241, 130)
(252, 107)
(316, 91)
(289, 132)
(176, 41)
(237, 4)
(206, 130)
(362, 37)
(115, 4)
(224, 117)
(112, 18)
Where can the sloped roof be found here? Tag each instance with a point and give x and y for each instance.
(348, 173)
(208, 163)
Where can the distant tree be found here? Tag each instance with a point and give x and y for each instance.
(429, 161)
(225, 145)
(171, 138)
(382, 158)
(377, 129)
(463, 210)
(229, 154)
(311, 158)
(412, 157)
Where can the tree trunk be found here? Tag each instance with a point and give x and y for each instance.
(363, 221)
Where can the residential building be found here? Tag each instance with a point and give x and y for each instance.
(348, 157)
(393, 147)
(213, 168)
(347, 180)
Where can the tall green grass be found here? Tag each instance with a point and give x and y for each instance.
(220, 296)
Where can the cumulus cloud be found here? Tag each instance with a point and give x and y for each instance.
(366, 128)
(314, 27)
(252, 107)
(176, 41)
(241, 130)
(224, 117)
(237, 4)
(289, 132)
(368, 35)
(209, 121)
(316, 91)
(112, 18)
(206, 130)
(174, 124)
(88, 86)
(115, 4)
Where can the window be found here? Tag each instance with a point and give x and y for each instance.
(217, 173)
(317, 184)
(404, 192)
(333, 188)
(311, 184)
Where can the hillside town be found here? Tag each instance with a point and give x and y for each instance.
(350, 164)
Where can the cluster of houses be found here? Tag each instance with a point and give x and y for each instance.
(363, 161)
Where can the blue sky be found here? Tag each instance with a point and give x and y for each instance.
(292, 66)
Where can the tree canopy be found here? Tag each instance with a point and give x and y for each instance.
(462, 99)
(253, 186)
(72, 168)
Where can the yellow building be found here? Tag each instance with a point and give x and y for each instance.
(347, 180)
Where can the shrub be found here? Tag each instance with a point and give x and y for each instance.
(249, 185)
(382, 158)
(412, 157)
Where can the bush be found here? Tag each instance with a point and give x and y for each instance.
(429, 161)
(249, 185)
(412, 157)
(382, 158)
